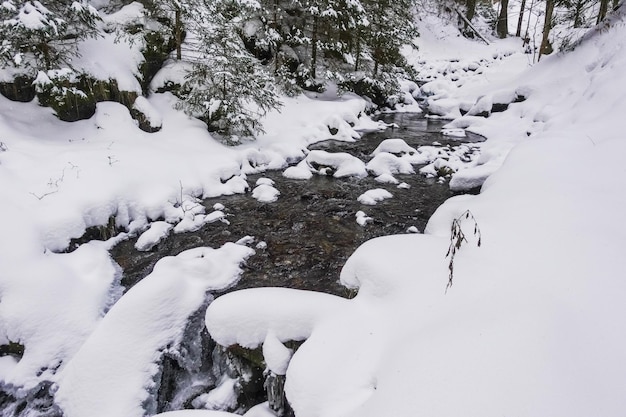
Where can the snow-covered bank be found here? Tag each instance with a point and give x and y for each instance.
(532, 324)
(60, 178)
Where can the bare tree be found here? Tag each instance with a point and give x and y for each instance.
(520, 19)
(502, 27)
(470, 5)
(546, 47)
(604, 6)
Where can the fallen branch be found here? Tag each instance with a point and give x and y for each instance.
(468, 23)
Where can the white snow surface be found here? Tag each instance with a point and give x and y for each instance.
(151, 237)
(374, 196)
(532, 325)
(120, 355)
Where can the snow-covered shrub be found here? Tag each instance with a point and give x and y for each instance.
(58, 89)
(42, 35)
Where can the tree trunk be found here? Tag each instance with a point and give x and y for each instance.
(604, 6)
(502, 27)
(545, 47)
(530, 13)
(314, 48)
(578, 13)
(520, 19)
(357, 60)
(471, 9)
(178, 33)
(277, 46)
(615, 3)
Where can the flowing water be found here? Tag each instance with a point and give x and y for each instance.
(311, 230)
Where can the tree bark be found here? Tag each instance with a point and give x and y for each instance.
(502, 27)
(314, 48)
(520, 19)
(471, 9)
(578, 13)
(545, 47)
(178, 33)
(604, 6)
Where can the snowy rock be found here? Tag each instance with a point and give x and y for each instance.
(482, 107)
(336, 164)
(388, 164)
(362, 219)
(151, 237)
(373, 197)
(243, 317)
(148, 118)
(397, 147)
(221, 398)
(265, 193)
(276, 355)
(302, 171)
(447, 108)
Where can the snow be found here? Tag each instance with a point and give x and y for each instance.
(151, 237)
(362, 219)
(261, 410)
(276, 355)
(292, 316)
(120, 355)
(265, 191)
(338, 164)
(154, 118)
(223, 397)
(373, 197)
(531, 326)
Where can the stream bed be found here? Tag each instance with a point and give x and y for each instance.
(303, 239)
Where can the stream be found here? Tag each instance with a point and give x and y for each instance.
(302, 241)
(308, 234)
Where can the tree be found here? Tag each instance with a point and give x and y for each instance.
(391, 27)
(520, 19)
(42, 35)
(546, 47)
(169, 12)
(604, 6)
(470, 6)
(502, 26)
(227, 86)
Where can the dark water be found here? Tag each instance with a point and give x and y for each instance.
(311, 230)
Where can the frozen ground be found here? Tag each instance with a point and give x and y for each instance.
(531, 326)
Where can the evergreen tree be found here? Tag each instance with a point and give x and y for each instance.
(227, 87)
(170, 14)
(41, 35)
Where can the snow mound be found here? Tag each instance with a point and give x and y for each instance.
(264, 192)
(336, 164)
(111, 372)
(397, 147)
(246, 317)
(373, 197)
(151, 237)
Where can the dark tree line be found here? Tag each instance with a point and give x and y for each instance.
(576, 11)
(244, 52)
